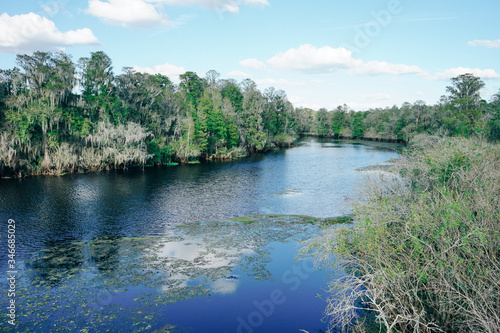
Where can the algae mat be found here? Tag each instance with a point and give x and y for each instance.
(127, 284)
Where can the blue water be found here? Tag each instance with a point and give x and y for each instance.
(273, 294)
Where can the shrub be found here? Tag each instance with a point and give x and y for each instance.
(424, 253)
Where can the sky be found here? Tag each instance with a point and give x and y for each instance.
(322, 53)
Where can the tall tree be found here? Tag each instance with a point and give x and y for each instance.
(36, 111)
(97, 78)
(192, 86)
(465, 98)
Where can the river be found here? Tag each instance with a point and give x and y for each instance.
(175, 248)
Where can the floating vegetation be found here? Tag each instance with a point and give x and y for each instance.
(122, 284)
(244, 219)
(382, 167)
(290, 192)
(331, 145)
(338, 220)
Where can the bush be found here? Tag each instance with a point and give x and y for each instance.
(424, 253)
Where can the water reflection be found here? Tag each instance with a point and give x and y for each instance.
(117, 249)
(108, 281)
(308, 179)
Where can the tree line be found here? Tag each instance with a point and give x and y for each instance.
(460, 113)
(60, 116)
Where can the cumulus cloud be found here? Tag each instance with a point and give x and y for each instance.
(486, 73)
(167, 69)
(237, 73)
(310, 59)
(491, 44)
(127, 13)
(382, 67)
(232, 6)
(145, 13)
(252, 63)
(256, 2)
(31, 32)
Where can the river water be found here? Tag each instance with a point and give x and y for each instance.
(160, 249)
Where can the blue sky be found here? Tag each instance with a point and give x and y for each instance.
(322, 53)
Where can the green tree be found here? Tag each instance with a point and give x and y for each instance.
(99, 97)
(143, 96)
(465, 100)
(252, 128)
(192, 87)
(324, 122)
(338, 120)
(493, 117)
(231, 91)
(358, 127)
(36, 109)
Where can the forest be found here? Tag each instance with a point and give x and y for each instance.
(58, 116)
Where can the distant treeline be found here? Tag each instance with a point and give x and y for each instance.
(461, 113)
(57, 116)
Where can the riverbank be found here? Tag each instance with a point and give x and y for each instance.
(423, 254)
(221, 156)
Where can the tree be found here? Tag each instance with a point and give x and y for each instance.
(338, 120)
(324, 122)
(231, 91)
(275, 116)
(96, 79)
(465, 99)
(493, 117)
(143, 96)
(211, 78)
(254, 137)
(36, 109)
(358, 128)
(192, 87)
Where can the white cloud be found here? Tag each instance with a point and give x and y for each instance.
(127, 13)
(237, 73)
(167, 69)
(310, 59)
(486, 73)
(232, 6)
(279, 82)
(382, 67)
(252, 63)
(256, 2)
(31, 32)
(491, 44)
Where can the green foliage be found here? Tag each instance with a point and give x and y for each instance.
(160, 154)
(462, 113)
(339, 120)
(358, 128)
(47, 123)
(192, 86)
(231, 91)
(233, 136)
(424, 251)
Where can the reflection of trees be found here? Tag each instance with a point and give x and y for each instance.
(195, 260)
(56, 263)
(104, 252)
